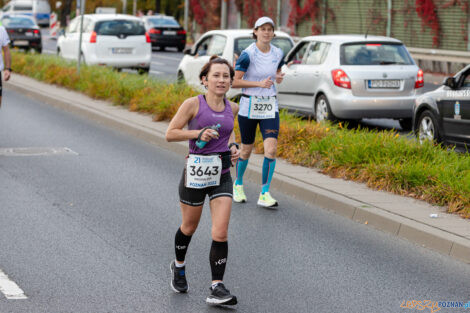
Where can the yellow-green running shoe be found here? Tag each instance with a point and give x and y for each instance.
(238, 193)
(266, 200)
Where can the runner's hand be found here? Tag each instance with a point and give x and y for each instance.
(279, 77)
(6, 75)
(209, 134)
(267, 83)
(235, 154)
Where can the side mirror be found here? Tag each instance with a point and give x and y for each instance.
(450, 82)
(187, 51)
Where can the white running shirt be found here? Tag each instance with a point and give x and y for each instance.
(257, 67)
(4, 41)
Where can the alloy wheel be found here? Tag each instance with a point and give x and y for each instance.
(321, 113)
(426, 130)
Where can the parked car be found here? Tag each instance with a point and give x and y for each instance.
(351, 77)
(40, 10)
(228, 44)
(443, 115)
(116, 40)
(165, 31)
(23, 32)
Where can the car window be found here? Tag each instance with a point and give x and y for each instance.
(370, 53)
(19, 7)
(297, 56)
(283, 43)
(72, 28)
(316, 53)
(17, 22)
(217, 45)
(158, 22)
(6, 8)
(465, 80)
(118, 27)
(203, 47)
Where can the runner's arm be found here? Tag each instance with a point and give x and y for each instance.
(186, 112)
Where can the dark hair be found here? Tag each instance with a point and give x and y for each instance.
(215, 60)
(256, 37)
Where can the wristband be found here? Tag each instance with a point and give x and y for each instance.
(9, 69)
(234, 144)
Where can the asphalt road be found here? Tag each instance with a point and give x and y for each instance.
(92, 230)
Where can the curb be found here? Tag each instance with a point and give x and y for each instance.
(438, 239)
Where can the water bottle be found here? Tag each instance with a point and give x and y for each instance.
(200, 143)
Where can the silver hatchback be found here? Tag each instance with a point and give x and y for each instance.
(351, 77)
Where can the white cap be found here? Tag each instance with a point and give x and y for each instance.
(263, 20)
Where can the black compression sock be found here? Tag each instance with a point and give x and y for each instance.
(181, 245)
(218, 259)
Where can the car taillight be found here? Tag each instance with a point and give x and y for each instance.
(155, 31)
(419, 79)
(340, 79)
(93, 37)
(181, 32)
(36, 31)
(147, 37)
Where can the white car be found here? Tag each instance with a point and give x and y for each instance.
(116, 40)
(351, 77)
(227, 44)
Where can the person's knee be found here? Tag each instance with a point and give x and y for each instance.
(245, 151)
(270, 149)
(219, 234)
(188, 228)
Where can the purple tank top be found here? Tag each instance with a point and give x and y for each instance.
(208, 117)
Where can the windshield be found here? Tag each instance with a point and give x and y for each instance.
(17, 21)
(118, 27)
(378, 53)
(242, 43)
(158, 22)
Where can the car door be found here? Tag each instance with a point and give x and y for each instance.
(285, 90)
(67, 40)
(455, 111)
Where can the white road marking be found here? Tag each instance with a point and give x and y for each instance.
(157, 63)
(9, 288)
(49, 51)
(155, 72)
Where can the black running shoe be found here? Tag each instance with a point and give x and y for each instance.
(221, 296)
(178, 281)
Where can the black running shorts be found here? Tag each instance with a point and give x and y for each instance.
(196, 197)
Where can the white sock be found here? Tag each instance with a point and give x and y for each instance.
(180, 265)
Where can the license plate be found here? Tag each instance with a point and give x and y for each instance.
(121, 50)
(384, 83)
(169, 32)
(21, 43)
(29, 34)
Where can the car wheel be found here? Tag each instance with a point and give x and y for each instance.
(181, 48)
(322, 110)
(180, 77)
(143, 71)
(406, 124)
(82, 59)
(428, 128)
(39, 50)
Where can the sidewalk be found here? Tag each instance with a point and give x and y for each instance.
(400, 216)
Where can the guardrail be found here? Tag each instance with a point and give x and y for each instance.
(440, 61)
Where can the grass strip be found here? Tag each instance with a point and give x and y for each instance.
(381, 159)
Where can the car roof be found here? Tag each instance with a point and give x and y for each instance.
(350, 38)
(169, 17)
(235, 33)
(107, 17)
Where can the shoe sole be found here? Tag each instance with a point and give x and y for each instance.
(267, 206)
(239, 201)
(171, 283)
(214, 301)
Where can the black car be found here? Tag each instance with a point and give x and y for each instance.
(165, 31)
(23, 32)
(443, 115)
